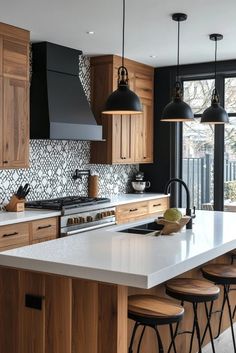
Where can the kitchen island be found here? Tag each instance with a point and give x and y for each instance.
(72, 292)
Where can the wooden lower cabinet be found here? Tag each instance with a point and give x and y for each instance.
(81, 316)
(26, 233)
(138, 210)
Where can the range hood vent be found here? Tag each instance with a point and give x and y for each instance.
(58, 106)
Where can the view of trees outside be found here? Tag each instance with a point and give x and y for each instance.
(198, 143)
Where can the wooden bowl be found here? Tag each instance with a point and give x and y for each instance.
(172, 227)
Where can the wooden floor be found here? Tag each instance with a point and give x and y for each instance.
(223, 344)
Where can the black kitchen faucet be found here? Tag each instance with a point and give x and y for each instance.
(188, 208)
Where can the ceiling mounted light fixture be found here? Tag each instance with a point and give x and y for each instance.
(215, 114)
(123, 100)
(177, 109)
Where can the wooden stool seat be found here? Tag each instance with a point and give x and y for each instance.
(193, 290)
(152, 311)
(158, 309)
(220, 274)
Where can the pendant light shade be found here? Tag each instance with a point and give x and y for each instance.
(215, 114)
(123, 100)
(177, 109)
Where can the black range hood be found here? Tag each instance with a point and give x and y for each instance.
(58, 106)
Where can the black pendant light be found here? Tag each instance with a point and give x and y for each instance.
(177, 109)
(215, 114)
(123, 100)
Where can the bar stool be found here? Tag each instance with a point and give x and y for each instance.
(152, 311)
(224, 275)
(195, 291)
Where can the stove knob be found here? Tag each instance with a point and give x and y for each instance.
(81, 220)
(98, 216)
(113, 213)
(70, 221)
(76, 220)
(108, 213)
(89, 219)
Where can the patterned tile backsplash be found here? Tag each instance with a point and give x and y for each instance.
(52, 164)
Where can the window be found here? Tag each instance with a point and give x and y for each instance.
(230, 145)
(198, 145)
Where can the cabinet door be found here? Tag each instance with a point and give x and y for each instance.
(143, 134)
(1, 122)
(15, 59)
(15, 123)
(121, 142)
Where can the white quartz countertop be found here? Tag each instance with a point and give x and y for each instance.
(7, 218)
(129, 259)
(129, 198)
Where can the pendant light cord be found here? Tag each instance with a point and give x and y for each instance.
(215, 57)
(123, 34)
(178, 51)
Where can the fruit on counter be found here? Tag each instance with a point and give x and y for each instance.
(172, 214)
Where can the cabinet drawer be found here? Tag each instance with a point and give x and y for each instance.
(45, 228)
(158, 205)
(42, 240)
(131, 211)
(16, 234)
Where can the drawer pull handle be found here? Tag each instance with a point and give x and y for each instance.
(133, 210)
(44, 227)
(157, 205)
(4, 162)
(10, 234)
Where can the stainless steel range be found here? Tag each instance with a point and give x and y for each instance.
(79, 214)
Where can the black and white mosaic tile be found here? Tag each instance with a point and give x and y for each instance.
(53, 162)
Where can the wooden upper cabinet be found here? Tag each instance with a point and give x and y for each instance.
(129, 138)
(15, 123)
(122, 140)
(15, 59)
(14, 97)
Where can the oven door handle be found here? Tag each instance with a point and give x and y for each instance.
(81, 230)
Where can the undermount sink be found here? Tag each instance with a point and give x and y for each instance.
(146, 228)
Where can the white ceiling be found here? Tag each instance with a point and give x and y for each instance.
(149, 29)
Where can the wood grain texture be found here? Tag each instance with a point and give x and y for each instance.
(158, 205)
(192, 287)
(154, 306)
(85, 317)
(14, 235)
(131, 211)
(9, 304)
(14, 32)
(112, 325)
(1, 119)
(32, 321)
(15, 59)
(58, 316)
(16, 123)
(44, 228)
(221, 271)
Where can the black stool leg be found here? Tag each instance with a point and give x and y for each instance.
(197, 327)
(173, 335)
(226, 290)
(160, 345)
(221, 316)
(132, 337)
(208, 326)
(141, 337)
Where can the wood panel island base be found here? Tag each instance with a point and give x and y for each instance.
(70, 295)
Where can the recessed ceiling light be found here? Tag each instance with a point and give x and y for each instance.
(90, 32)
(153, 56)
